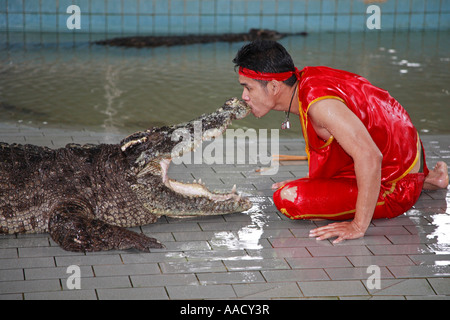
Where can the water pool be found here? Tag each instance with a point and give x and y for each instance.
(56, 81)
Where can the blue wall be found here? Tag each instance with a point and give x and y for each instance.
(220, 16)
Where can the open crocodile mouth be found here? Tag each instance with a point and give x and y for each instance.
(152, 152)
(217, 125)
(196, 188)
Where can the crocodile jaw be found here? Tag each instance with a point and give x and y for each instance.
(198, 200)
(198, 189)
(195, 189)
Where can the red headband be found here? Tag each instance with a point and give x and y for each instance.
(266, 76)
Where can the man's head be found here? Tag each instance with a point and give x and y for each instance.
(265, 57)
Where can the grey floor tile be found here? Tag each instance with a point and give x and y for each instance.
(318, 262)
(430, 259)
(141, 257)
(201, 292)
(387, 230)
(55, 273)
(192, 267)
(62, 295)
(399, 249)
(381, 260)
(193, 236)
(128, 269)
(187, 246)
(30, 286)
(34, 262)
(267, 290)
(216, 255)
(332, 288)
(161, 280)
(100, 283)
(11, 274)
(352, 273)
(230, 277)
(88, 260)
(8, 253)
(333, 251)
(295, 275)
(153, 293)
(8, 241)
(12, 296)
(280, 253)
(298, 242)
(440, 285)
(403, 287)
(256, 264)
(44, 252)
(421, 271)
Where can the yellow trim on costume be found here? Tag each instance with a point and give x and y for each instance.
(332, 215)
(304, 125)
(394, 182)
(286, 213)
(329, 141)
(323, 98)
(413, 164)
(391, 190)
(304, 120)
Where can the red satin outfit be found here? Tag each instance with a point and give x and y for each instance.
(330, 192)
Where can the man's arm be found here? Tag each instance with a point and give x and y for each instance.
(333, 117)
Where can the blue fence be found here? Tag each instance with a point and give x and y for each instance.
(221, 16)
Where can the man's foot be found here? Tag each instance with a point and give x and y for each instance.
(437, 178)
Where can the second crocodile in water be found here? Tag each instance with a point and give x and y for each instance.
(86, 196)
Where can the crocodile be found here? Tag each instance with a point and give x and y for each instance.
(87, 196)
(176, 40)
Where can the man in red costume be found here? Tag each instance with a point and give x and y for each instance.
(366, 160)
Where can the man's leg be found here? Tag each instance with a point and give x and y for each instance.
(332, 199)
(335, 199)
(437, 178)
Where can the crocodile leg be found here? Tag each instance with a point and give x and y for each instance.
(71, 227)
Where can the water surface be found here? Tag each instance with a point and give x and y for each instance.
(59, 81)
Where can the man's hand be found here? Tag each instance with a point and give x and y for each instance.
(342, 230)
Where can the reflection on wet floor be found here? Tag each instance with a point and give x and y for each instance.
(441, 234)
(247, 237)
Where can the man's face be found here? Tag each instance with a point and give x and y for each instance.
(256, 95)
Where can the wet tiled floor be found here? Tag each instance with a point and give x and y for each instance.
(259, 254)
